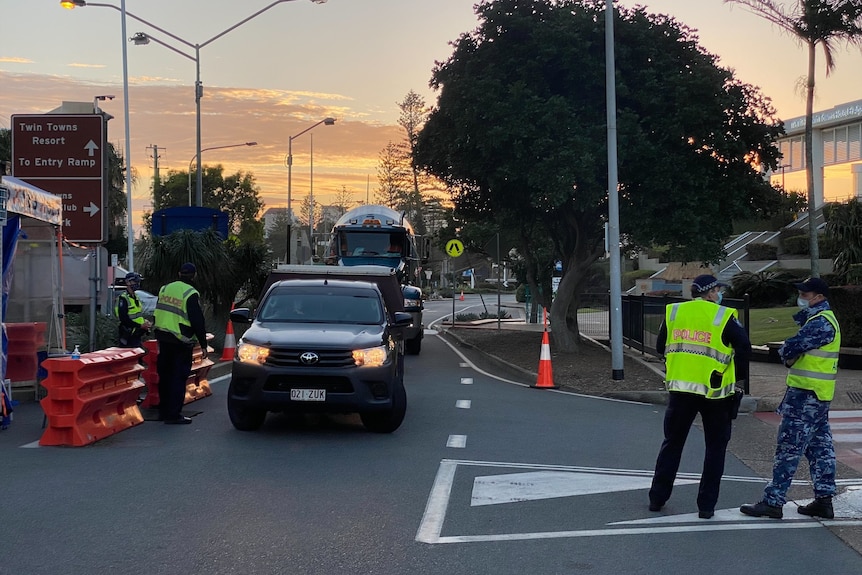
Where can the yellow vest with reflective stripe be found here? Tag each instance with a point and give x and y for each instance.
(136, 311)
(816, 369)
(694, 349)
(172, 310)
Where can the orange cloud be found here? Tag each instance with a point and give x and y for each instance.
(344, 154)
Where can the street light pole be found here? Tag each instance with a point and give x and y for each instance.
(196, 157)
(196, 58)
(325, 122)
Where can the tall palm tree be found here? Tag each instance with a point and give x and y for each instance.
(813, 22)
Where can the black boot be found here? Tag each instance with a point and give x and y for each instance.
(820, 507)
(762, 509)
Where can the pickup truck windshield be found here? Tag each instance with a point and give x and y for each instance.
(289, 306)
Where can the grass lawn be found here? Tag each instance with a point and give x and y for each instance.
(772, 324)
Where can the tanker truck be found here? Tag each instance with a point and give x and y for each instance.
(380, 236)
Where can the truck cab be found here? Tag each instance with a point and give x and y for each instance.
(380, 236)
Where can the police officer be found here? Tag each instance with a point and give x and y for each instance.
(812, 356)
(179, 325)
(128, 309)
(707, 352)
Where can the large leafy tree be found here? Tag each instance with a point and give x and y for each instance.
(519, 136)
(237, 195)
(824, 23)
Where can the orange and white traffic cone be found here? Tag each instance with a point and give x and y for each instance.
(546, 373)
(229, 341)
(462, 296)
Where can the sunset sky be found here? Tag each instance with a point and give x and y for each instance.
(299, 62)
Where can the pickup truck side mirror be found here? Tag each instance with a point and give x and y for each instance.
(241, 315)
(402, 319)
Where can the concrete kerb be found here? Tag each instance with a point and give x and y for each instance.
(749, 404)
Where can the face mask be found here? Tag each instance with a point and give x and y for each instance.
(802, 303)
(720, 297)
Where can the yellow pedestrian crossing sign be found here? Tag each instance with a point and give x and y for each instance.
(454, 248)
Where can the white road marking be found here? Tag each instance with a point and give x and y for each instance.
(457, 441)
(849, 414)
(463, 404)
(462, 364)
(468, 363)
(466, 381)
(536, 485)
(31, 445)
(431, 526)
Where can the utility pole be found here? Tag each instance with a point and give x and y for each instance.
(154, 154)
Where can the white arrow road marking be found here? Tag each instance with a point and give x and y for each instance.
(92, 209)
(466, 381)
(463, 404)
(533, 486)
(91, 147)
(848, 505)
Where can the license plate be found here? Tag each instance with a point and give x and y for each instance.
(308, 395)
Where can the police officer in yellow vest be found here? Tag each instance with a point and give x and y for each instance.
(179, 326)
(707, 353)
(128, 309)
(812, 356)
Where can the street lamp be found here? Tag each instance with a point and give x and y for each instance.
(207, 150)
(141, 39)
(325, 122)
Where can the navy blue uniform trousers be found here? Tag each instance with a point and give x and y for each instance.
(682, 408)
(173, 365)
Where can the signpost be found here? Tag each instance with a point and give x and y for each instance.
(65, 155)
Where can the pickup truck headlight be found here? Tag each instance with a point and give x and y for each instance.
(371, 357)
(408, 303)
(248, 353)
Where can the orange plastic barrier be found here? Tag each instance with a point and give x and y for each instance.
(197, 385)
(25, 341)
(92, 397)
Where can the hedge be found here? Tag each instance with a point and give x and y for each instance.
(846, 302)
(761, 251)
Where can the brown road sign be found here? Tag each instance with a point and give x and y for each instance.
(65, 155)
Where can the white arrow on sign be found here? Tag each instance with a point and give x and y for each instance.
(92, 209)
(91, 147)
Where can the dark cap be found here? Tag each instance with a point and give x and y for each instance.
(188, 269)
(704, 283)
(133, 277)
(815, 285)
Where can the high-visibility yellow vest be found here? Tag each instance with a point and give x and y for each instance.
(816, 369)
(172, 310)
(695, 354)
(136, 311)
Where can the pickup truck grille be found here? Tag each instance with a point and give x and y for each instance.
(327, 358)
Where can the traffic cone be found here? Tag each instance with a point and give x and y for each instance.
(546, 373)
(229, 341)
(462, 296)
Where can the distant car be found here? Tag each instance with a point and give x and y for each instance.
(320, 345)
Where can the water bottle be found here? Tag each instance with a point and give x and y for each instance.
(76, 353)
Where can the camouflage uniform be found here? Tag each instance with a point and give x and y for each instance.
(804, 428)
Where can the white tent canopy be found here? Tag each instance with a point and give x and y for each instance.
(28, 200)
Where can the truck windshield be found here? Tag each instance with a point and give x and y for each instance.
(377, 243)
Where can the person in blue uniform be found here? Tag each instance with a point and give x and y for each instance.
(812, 356)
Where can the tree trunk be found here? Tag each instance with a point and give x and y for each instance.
(564, 313)
(813, 247)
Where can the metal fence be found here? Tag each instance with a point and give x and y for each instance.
(641, 317)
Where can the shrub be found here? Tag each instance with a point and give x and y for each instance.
(503, 314)
(760, 251)
(798, 245)
(765, 289)
(846, 302)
